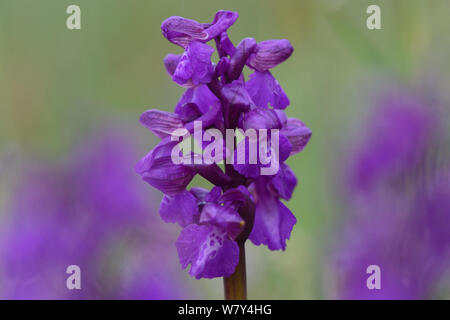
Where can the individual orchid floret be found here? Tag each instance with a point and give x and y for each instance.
(158, 169)
(262, 86)
(194, 66)
(207, 241)
(237, 62)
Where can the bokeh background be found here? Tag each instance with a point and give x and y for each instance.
(69, 139)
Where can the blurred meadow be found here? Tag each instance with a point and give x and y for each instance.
(60, 88)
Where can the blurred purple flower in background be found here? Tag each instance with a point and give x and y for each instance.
(88, 211)
(398, 203)
(399, 135)
(243, 204)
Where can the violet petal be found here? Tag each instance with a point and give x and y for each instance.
(223, 217)
(180, 208)
(195, 66)
(208, 250)
(261, 118)
(222, 21)
(182, 31)
(269, 54)
(157, 169)
(237, 62)
(273, 220)
(201, 96)
(236, 95)
(297, 133)
(171, 62)
(284, 182)
(226, 45)
(214, 194)
(189, 112)
(264, 89)
(161, 123)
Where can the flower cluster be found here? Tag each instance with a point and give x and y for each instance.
(244, 203)
(399, 200)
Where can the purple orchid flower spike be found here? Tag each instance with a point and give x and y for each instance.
(230, 121)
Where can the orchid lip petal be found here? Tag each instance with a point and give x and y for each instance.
(273, 220)
(264, 89)
(208, 250)
(284, 182)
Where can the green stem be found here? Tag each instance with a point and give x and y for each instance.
(235, 286)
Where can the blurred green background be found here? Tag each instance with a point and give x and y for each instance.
(57, 85)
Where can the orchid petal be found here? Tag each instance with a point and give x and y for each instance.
(223, 217)
(157, 169)
(273, 220)
(195, 65)
(181, 208)
(161, 123)
(208, 250)
(182, 31)
(264, 89)
(270, 53)
(297, 133)
(222, 21)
